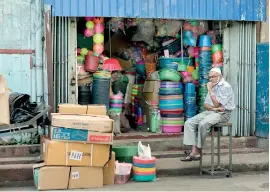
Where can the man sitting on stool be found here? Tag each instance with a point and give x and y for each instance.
(219, 103)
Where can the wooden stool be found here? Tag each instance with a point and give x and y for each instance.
(216, 170)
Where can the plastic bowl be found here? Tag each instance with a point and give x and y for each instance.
(169, 75)
(172, 128)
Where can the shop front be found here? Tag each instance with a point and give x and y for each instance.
(148, 61)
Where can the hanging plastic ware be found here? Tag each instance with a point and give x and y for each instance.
(98, 38)
(99, 28)
(91, 63)
(205, 41)
(84, 51)
(89, 24)
(111, 65)
(88, 32)
(89, 18)
(98, 48)
(217, 57)
(98, 20)
(216, 48)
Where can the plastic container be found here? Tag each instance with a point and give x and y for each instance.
(169, 75)
(91, 63)
(217, 57)
(121, 179)
(173, 47)
(172, 128)
(154, 120)
(216, 48)
(144, 178)
(84, 97)
(205, 41)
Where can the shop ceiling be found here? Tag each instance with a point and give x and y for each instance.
(239, 10)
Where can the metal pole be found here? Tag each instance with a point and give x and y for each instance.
(62, 60)
(58, 61)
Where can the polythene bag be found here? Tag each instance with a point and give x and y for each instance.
(144, 152)
(122, 168)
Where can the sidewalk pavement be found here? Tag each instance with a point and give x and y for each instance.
(250, 181)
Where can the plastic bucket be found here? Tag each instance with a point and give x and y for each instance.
(205, 41)
(91, 63)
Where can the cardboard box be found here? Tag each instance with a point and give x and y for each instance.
(102, 124)
(125, 64)
(75, 154)
(4, 102)
(82, 109)
(109, 171)
(150, 90)
(50, 177)
(85, 177)
(80, 135)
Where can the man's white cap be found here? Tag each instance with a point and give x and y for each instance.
(217, 70)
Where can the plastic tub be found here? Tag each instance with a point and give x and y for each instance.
(144, 165)
(144, 178)
(169, 75)
(138, 160)
(121, 179)
(143, 170)
(216, 48)
(172, 128)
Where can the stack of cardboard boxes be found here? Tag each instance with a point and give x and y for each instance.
(77, 152)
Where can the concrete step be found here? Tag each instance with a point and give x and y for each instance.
(20, 150)
(20, 160)
(180, 153)
(167, 164)
(241, 163)
(176, 143)
(172, 143)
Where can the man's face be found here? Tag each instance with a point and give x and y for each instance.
(214, 77)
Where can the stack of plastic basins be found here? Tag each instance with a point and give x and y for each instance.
(171, 106)
(205, 65)
(171, 96)
(217, 56)
(144, 170)
(190, 100)
(116, 103)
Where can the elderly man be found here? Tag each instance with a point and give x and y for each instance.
(219, 103)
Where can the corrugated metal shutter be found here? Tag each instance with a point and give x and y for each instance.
(240, 72)
(245, 10)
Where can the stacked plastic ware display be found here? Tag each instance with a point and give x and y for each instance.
(205, 65)
(190, 100)
(171, 97)
(144, 170)
(116, 103)
(217, 56)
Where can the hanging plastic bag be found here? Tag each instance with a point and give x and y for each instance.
(145, 32)
(117, 23)
(144, 152)
(168, 27)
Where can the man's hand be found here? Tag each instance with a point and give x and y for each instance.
(219, 109)
(210, 86)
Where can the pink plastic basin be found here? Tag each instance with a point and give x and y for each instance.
(172, 128)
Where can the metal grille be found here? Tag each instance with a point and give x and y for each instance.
(60, 52)
(246, 80)
(239, 44)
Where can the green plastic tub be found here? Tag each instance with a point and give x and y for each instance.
(125, 153)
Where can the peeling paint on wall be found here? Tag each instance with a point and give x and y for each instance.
(262, 94)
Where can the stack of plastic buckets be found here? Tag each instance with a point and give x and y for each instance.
(134, 93)
(217, 56)
(171, 106)
(190, 100)
(205, 65)
(116, 103)
(144, 170)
